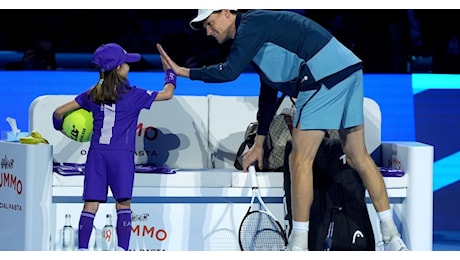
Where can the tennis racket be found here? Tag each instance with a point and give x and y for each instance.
(260, 230)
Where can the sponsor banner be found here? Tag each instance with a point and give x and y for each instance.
(25, 195)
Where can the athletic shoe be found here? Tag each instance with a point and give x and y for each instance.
(395, 244)
(298, 241)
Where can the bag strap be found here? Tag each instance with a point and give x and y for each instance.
(287, 118)
(238, 160)
(288, 121)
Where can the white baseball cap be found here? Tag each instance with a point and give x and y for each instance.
(203, 14)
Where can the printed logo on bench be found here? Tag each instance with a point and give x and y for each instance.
(7, 163)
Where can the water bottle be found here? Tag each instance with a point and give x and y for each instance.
(93, 240)
(108, 235)
(67, 235)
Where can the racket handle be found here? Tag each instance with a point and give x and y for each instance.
(252, 173)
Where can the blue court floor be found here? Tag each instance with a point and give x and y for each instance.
(446, 240)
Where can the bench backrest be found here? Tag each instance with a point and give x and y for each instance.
(187, 132)
(172, 133)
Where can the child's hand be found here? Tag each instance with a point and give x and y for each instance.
(166, 60)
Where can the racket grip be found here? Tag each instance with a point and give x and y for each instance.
(252, 173)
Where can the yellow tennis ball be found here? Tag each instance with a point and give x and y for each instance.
(78, 125)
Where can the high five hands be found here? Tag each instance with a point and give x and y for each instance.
(169, 63)
(165, 64)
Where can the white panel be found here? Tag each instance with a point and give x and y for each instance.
(229, 117)
(180, 142)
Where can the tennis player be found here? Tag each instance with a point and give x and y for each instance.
(115, 105)
(297, 56)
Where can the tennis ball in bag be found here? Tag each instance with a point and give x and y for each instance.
(78, 125)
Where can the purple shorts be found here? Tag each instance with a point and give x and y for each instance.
(108, 168)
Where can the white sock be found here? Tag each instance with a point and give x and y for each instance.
(387, 225)
(385, 215)
(298, 240)
(300, 226)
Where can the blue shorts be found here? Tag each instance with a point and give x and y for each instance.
(108, 168)
(338, 107)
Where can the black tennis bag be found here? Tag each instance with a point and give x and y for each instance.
(339, 219)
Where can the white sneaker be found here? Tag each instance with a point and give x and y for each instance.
(298, 241)
(395, 244)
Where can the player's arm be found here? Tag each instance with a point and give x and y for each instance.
(61, 111)
(267, 109)
(255, 153)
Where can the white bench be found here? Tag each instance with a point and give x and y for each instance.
(200, 207)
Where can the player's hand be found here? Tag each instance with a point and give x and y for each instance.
(255, 153)
(164, 63)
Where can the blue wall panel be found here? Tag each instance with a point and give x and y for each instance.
(418, 107)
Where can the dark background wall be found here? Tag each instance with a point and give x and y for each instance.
(387, 40)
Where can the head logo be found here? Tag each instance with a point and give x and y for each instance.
(357, 234)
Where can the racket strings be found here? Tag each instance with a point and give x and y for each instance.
(260, 232)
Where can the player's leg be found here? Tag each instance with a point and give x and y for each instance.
(316, 110)
(353, 143)
(359, 159)
(304, 147)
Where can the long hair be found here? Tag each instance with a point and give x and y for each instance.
(110, 87)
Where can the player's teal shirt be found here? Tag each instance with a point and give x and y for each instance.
(290, 52)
